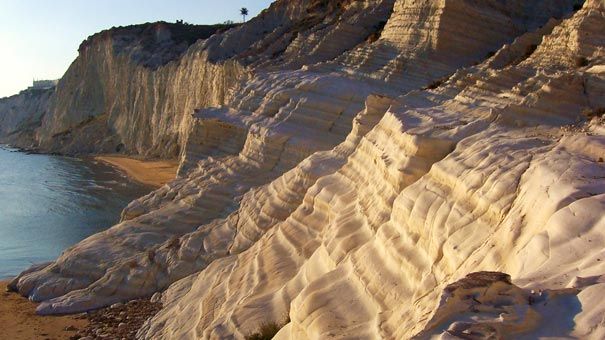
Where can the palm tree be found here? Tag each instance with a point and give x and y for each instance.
(243, 12)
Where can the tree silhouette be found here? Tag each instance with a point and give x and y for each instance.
(243, 12)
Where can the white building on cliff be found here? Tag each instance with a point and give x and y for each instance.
(43, 84)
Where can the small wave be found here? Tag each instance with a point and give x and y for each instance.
(8, 148)
(97, 186)
(111, 182)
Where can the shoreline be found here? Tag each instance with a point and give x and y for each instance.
(148, 172)
(152, 173)
(19, 319)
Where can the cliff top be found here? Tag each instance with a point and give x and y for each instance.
(154, 44)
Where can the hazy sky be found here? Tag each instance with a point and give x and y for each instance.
(40, 38)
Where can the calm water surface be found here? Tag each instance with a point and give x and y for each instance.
(48, 203)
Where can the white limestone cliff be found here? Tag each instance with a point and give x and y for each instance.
(21, 114)
(343, 198)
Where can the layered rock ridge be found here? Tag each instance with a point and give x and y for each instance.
(474, 159)
(345, 195)
(140, 84)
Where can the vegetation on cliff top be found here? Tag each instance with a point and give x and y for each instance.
(164, 39)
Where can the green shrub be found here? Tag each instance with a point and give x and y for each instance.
(266, 332)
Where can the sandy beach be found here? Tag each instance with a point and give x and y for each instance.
(18, 320)
(153, 173)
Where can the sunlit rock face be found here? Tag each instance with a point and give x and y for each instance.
(141, 83)
(348, 190)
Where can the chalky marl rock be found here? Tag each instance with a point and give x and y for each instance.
(21, 114)
(344, 196)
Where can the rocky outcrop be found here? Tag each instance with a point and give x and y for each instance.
(142, 83)
(138, 85)
(348, 194)
(486, 305)
(138, 95)
(22, 114)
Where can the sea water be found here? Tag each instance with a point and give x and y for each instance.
(48, 203)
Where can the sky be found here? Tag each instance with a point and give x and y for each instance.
(40, 38)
